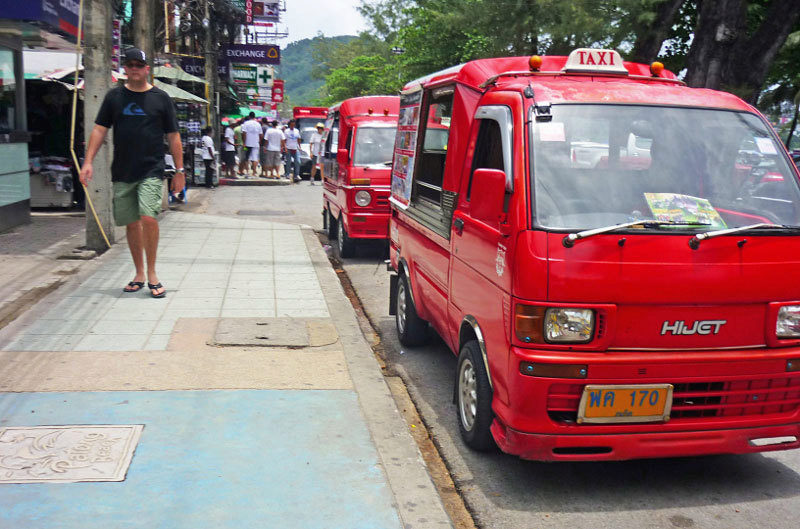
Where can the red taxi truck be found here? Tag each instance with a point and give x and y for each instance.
(306, 119)
(644, 305)
(359, 139)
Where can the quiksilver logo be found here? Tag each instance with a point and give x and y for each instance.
(699, 327)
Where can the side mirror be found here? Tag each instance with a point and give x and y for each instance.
(342, 156)
(487, 196)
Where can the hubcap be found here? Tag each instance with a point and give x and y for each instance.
(467, 394)
(401, 307)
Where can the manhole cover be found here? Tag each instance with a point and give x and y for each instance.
(67, 454)
(265, 212)
(275, 332)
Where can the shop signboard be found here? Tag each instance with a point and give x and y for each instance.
(243, 74)
(266, 10)
(266, 74)
(60, 15)
(197, 67)
(252, 53)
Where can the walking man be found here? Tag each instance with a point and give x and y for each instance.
(316, 153)
(208, 156)
(293, 151)
(252, 141)
(141, 115)
(229, 152)
(276, 143)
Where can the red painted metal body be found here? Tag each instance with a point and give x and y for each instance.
(731, 386)
(352, 118)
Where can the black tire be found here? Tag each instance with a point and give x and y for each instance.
(347, 246)
(411, 329)
(331, 227)
(474, 399)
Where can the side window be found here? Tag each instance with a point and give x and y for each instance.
(435, 129)
(488, 149)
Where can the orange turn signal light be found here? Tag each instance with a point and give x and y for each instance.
(656, 68)
(529, 323)
(360, 181)
(532, 369)
(793, 365)
(369, 111)
(385, 111)
(535, 62)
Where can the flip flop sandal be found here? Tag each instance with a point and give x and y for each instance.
(133, 286)
(153, 287)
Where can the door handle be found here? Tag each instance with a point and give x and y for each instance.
(458, 224)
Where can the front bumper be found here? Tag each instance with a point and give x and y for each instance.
(368, 225)
(721, 401)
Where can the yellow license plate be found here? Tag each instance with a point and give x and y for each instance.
(634, 403)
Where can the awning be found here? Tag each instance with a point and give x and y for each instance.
(175, 74)
(179, 94)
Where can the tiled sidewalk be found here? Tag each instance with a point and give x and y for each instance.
(211, 267)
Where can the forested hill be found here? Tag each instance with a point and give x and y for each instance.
(295, 69)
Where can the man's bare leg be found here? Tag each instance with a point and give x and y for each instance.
(136, 246)
(150, 234)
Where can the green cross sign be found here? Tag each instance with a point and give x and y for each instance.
(264, 77)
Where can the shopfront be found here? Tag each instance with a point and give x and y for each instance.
(32, 24)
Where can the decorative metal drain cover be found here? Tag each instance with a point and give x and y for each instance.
(265, 212)
(67, 454)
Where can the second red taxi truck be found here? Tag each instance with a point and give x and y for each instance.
(615, 284)
(359, 139)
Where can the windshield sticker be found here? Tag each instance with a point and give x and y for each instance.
(766, 146)
(552, 131)
(405, 147)
(672, 207)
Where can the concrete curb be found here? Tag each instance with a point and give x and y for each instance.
(418, 501)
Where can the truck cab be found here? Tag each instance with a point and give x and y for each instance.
(359, 140)
(615, 282)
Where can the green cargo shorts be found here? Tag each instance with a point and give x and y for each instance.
(132, 200)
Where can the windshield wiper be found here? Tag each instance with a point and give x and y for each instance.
(694, 242)
(569, 240)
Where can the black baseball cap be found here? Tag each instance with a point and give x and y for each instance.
(133, 54)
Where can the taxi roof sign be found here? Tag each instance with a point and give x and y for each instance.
(596, 61)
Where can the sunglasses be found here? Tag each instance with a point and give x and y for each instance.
(135, 65)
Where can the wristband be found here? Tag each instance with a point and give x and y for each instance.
(180, 170)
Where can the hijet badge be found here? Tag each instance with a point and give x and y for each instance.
(500, 261)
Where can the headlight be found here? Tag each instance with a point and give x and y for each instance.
(788, 325)
(566, 325)
(363, 198)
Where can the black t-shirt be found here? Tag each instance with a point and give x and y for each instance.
(140, 120)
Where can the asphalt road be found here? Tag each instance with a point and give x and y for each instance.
(502, 491)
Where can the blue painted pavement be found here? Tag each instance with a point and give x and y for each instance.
(211, 459)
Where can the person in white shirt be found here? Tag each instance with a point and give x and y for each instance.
(229, 151)
(293, 151)
(275, 143)
(208, 156)
(252, 140)
(316, 153)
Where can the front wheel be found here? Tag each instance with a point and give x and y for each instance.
(411, 329)
(474, 398)
(331, 226)
(347, 246)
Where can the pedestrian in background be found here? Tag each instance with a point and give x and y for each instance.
(229, 151)
(316, 153)
(237, 136)
(292, 151)
(141, 115)
(208, 156)
(263, 148)
(252, 141)
(275, 142)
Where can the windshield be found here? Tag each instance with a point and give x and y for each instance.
(374, 145)
(305, 134)
(597, 165)
(307, 123)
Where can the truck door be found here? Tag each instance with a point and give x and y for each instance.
(482, 247)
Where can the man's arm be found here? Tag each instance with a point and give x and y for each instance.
(176, 149)
(96, 139)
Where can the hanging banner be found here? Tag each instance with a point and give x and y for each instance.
(405, 148)
(277, 90)
(243, 74)
(266, 10)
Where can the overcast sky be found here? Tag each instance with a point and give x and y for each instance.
(305, 18)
